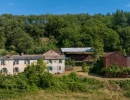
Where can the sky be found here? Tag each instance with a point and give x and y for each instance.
(37, 7)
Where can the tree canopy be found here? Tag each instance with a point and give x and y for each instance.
(35, 34)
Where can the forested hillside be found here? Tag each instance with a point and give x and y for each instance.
(38, 33)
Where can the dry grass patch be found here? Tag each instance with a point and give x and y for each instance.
(102, 94)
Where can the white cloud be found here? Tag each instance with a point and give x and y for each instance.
(128, 5)
(11, 4)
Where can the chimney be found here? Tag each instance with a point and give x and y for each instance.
(10, 55)
(22, 54)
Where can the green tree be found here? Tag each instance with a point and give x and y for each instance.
(124, 52)
(125, 38)
(35, 70)
(3, 52)
(18, 38)
(98, 48)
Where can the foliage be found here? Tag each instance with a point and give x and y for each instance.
(35, 70)
(13, 86)
(97, 67)
(70, 62)
(3, 52)
(98, 48)
(107, 33)
(85, 68)
(115, 70)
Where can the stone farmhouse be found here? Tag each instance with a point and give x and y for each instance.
(12, 64)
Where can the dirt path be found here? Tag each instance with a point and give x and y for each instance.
(85, 74)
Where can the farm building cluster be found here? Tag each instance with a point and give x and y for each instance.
(11, 64)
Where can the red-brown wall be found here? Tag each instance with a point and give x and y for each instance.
(115, 57)
(128, 61)
(80, 57)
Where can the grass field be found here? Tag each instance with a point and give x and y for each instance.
(100, 95)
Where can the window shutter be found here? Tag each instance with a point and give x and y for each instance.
(17, 61)
(24, 61)
(59, 67)
(13, 70)
(28, 61)
(2, 62)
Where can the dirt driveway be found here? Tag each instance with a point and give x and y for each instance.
(78, 70)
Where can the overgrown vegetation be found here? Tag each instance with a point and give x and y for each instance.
(69, 63)
(97, 67)
(115, 71)
(36, 78)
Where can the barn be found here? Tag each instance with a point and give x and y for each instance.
(78, 54)
(118, 58)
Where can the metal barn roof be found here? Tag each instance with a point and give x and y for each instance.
(87, 49)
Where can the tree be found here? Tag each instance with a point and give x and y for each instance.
(35, 70)
(124, 52)
(3, 52)
(98, 48)
(124, 34)
(120, 19)
(20, 40)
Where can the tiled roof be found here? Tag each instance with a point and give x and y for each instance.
(109, 53)
(87, 49)
(51, 54)
(55, 57)
(31, 57)
(23, 57)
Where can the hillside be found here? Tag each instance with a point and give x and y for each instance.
(34, 34)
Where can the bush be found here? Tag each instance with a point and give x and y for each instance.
(46, 80)
(70, 62)
(97, 67)
(85, 68)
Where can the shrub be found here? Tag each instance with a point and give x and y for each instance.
(97, 67)
(46, 80)
(70, 62)
(85, 68)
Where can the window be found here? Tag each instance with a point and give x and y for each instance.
(50, 68)
(60, 61)
(4, 70)
(2, 62)
(50, 61)
(16, 70)
(16, 61)
(26, 61)
(59, 67)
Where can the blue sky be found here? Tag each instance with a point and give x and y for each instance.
(27, 7)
